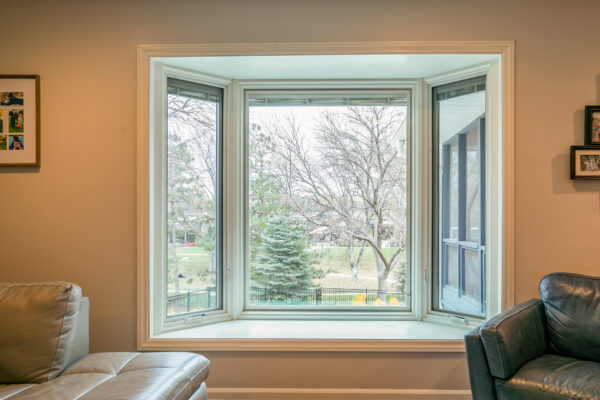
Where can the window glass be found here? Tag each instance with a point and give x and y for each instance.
(193, 194)
(471, 274)
(453, 199)
(472, 180)
(327, 200)
(459, 251)
(452, 261)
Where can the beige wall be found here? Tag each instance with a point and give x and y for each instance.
(74, 218)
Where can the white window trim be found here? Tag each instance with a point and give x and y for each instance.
(145, 339)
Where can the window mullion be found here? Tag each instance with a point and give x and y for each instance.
(482, 209)
(446, 212)
(462, 208)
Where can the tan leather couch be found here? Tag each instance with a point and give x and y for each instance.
(44, 346)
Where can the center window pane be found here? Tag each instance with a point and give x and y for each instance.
(327, 200)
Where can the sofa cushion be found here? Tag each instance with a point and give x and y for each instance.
(142, 376)
(572, 305)
(552, 377)
(37, 325)
(8, 391)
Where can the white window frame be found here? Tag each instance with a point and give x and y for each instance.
(157, 234)
(503, 241)
(406, 86)
(493, 191)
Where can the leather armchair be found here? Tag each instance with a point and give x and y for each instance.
(541, 349)
(44, 346)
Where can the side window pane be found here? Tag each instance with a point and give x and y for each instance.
(459, 160)
(193, 186)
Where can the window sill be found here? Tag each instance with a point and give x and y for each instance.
(347, 336)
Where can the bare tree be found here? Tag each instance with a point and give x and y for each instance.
(350, 178)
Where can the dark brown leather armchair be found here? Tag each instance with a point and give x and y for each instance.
(541, 349)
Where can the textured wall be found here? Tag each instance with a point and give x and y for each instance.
(74, 219)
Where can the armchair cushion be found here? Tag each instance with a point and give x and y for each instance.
(552, 377)
(38, 325)
(514, 337)
(572, 306)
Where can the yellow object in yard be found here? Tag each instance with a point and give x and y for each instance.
(359, 300)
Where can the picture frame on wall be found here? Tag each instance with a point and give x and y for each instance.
(585, 162)
(592, 125)
(19, 120)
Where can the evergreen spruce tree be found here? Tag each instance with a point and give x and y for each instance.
(283, 266)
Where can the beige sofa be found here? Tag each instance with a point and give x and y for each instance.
(44, 346)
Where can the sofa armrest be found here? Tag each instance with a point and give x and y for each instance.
(81, 339)
(482, 383)
(514, 337)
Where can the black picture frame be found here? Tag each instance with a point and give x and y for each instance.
(20, 100)
(592, 125)
(588, 169)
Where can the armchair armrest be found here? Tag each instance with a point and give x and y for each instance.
(514, 337)
(482, 383)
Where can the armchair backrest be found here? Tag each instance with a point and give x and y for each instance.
(572, 306)
(43, 328)
(514, 337)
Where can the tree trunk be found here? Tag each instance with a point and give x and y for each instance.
(382, 275)
(212, 267)
(353, 266)
(383, 270)
(174, 259)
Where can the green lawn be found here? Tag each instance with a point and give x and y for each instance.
(193, 263)
(335, 259)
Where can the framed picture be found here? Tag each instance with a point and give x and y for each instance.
(585, 162)
(592, 125)
(19, 120)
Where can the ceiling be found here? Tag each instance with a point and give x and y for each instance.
(369, 66)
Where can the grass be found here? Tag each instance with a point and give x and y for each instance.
(193, 263)
(335, 259)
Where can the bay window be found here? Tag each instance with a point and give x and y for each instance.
(316, 198)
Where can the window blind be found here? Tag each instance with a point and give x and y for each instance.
(194, 90)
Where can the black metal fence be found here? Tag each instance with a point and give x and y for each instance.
(207, 298)
(192, 301)
(326, 297)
